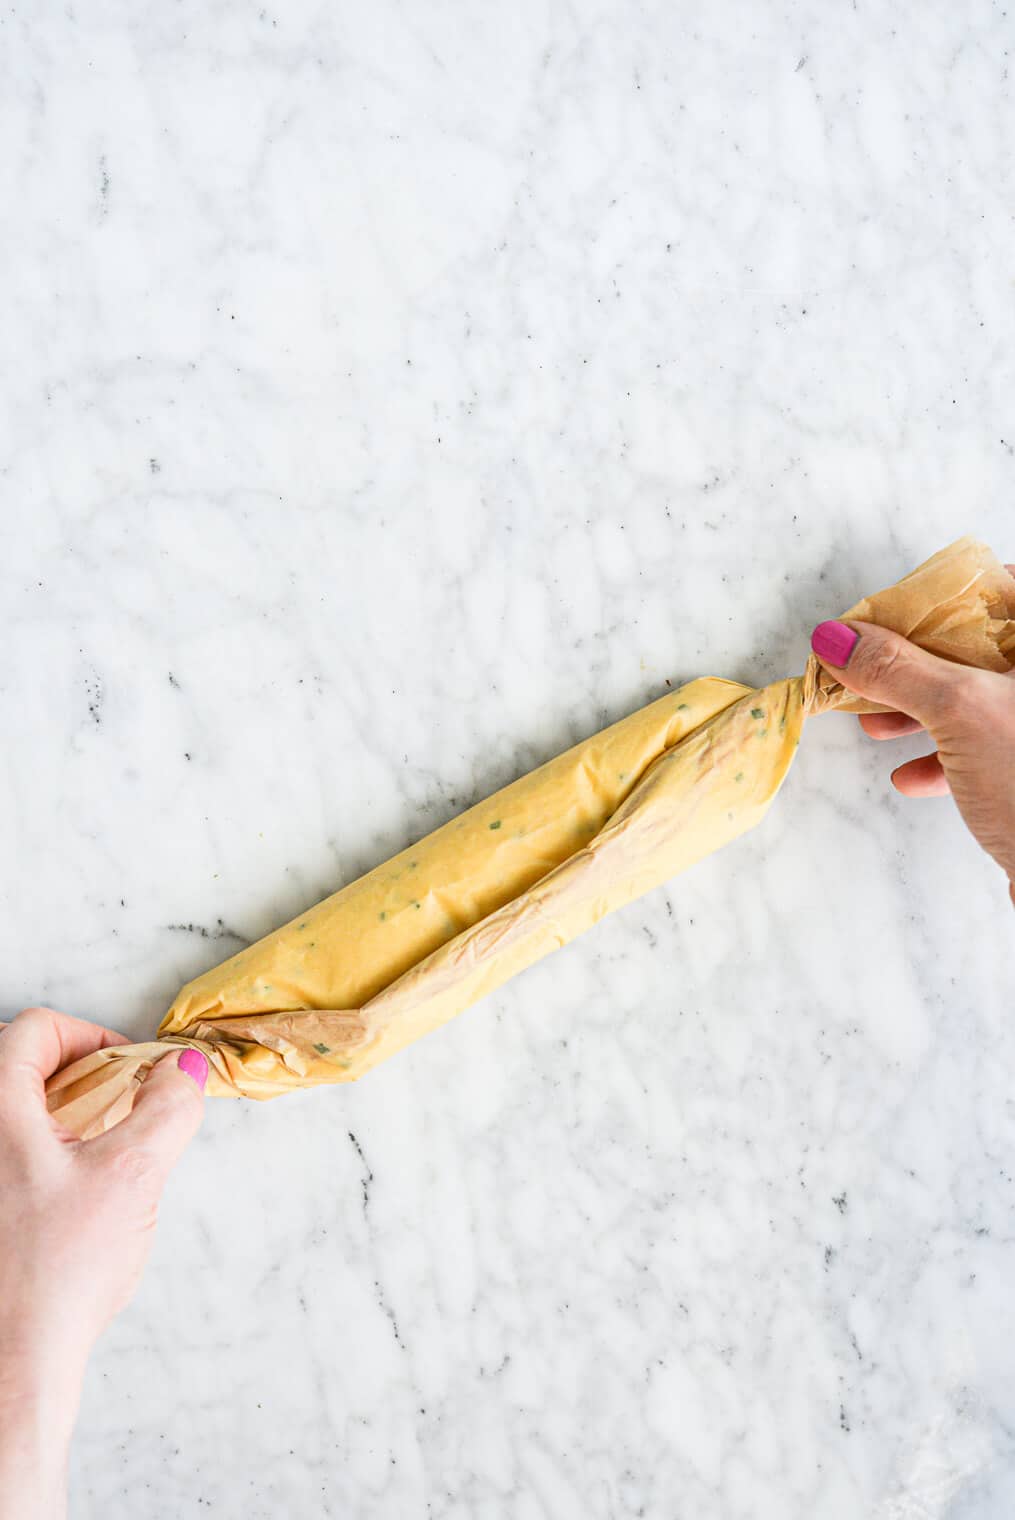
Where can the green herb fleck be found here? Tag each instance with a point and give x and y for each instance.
(682, 706)
(757, 712)
(496, 823)
(303, 925)
(382, 915)
(416, 905)
(763, 733)
(739, 776)
(322, 1050)
(413, 864)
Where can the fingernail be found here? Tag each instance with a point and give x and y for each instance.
(195, 1065)
(834, 642)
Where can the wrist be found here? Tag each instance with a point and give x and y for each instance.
(40, 1390)
(35, 1434)
(40, 1369)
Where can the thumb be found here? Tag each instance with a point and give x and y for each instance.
(166, 1115)
(881, 665)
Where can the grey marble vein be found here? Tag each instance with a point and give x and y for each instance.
(394, 395)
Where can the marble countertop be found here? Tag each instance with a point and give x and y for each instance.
(392, 397)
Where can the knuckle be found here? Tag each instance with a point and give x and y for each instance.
(969, 700)
(136, 1167)
(878, 659)
(32, 1025)
(183, 1099)
(36, 1014)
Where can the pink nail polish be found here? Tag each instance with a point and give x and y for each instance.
(195, 1065)
(834, 642)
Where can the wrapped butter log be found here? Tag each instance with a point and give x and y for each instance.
(414, 942)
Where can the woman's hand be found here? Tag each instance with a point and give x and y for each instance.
(969, 714)
(76, 1226)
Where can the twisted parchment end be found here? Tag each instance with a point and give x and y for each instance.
(959, 604)
(712, 781)
(91, 1095)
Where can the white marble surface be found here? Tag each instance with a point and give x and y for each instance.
(392, 395)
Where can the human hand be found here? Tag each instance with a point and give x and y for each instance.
(969, 714)
(76, 1227)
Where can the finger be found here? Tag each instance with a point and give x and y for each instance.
(879, 664)
(889, 725)
(1011, 571)
(37, 1043)
(922, 777)
(166, 1115)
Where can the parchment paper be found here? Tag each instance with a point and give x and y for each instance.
(414, 942)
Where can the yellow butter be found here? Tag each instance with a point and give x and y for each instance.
(414, 942)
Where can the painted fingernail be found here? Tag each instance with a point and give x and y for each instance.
(834, 642)
(195, 1065)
